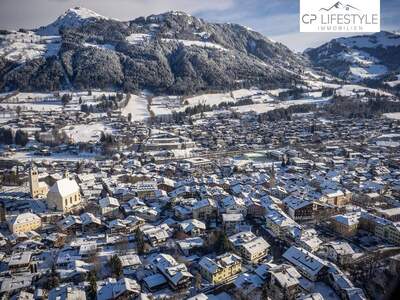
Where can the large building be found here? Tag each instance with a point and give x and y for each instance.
(345, 225)
(64, 195)
(221, 268)
(249, 246)
(24, 223)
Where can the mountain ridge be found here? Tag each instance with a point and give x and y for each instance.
(370, 59)
(171, 52)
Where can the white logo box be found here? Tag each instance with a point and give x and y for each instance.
(339, 16)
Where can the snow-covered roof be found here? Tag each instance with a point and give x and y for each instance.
(304, 261)
(64, 187)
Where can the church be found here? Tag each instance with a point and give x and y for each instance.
(63, 195)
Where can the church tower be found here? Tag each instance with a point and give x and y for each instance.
(37, 189)
(33, 181)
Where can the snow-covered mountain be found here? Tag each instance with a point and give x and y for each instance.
(72, 18)
(374, 57)
(171, 52)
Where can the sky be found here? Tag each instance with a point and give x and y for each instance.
(276, 19)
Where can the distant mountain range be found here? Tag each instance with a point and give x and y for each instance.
(372, 59)
(175, 53)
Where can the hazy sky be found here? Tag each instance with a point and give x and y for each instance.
(277, 19)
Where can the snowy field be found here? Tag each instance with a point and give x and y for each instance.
(84, 133)
(100, 46)
(260, 108)
(137, 106)
(28, 156)
(137, 38)
(200, 44)
(394, 82)
(165, 105)
(208, 99)
(352, 90)
(20, 46)
(45, 102)
(394, 116)
(44, 107)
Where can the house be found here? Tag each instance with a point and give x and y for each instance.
(299, 209)
(190, 245)
(204, 210)
(176, 273)
(250, 247)
(109, 206)
(279, 222)
(255, 249)
(67, 293)
(248, 285)
(20, 261)
(392, 214)
(156, 235)
(64, 195)
(130, 262)
(231, 222)
(309, 265)
(90, 223)
(337, 198)
(345, 225)
(389, 231)
(283, 282)
(14, 284)
(146, 189)
(24, 223)
(124, 288)
(193, 227)
(339, 252)
(155, 282)
(221, 268)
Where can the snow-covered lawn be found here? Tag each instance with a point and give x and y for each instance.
(137, 106)
(84, 133)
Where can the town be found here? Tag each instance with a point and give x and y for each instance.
(222, 202)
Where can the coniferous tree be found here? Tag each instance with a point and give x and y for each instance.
(92, 285)
(116, 266)
(21, 137)
(140, 244)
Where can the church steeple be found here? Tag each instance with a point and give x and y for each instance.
(37, 189)
(33, 180)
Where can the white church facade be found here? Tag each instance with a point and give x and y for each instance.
(63, 195)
